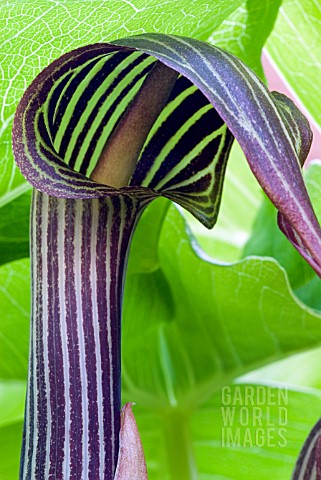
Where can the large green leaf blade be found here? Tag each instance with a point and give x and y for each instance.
(262, 453)
(180, 345)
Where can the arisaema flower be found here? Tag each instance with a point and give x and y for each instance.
(100, 133)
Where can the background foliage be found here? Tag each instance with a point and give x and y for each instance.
(198, 314)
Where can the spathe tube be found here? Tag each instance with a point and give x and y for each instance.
(81, 229)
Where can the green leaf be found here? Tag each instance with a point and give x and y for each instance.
(198, 323)
(260, 457)
(14, 229)
(294, 48)
(143, 254)
(300, 370)
(12, 395)
(12, 399)
(14, 321)
(10, 444)
(245, 31)
(265, 454)
(267, 240)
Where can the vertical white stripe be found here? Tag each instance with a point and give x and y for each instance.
(109, 339)
(306, 458)
(32, 337)
(79, 316)
(35, 390)
(63, 329)
(93, 281)
(44, 251)
(123, 214)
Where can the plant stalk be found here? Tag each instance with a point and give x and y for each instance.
(79, 252)
(178, 443)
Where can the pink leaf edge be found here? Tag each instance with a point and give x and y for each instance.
(131, 460)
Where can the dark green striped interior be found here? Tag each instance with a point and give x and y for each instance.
(87, 103)
(185, 152)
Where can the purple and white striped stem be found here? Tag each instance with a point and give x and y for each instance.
(79, 251)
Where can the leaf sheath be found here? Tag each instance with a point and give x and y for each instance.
(79, 251)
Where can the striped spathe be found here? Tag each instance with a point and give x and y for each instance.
(79, 250)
